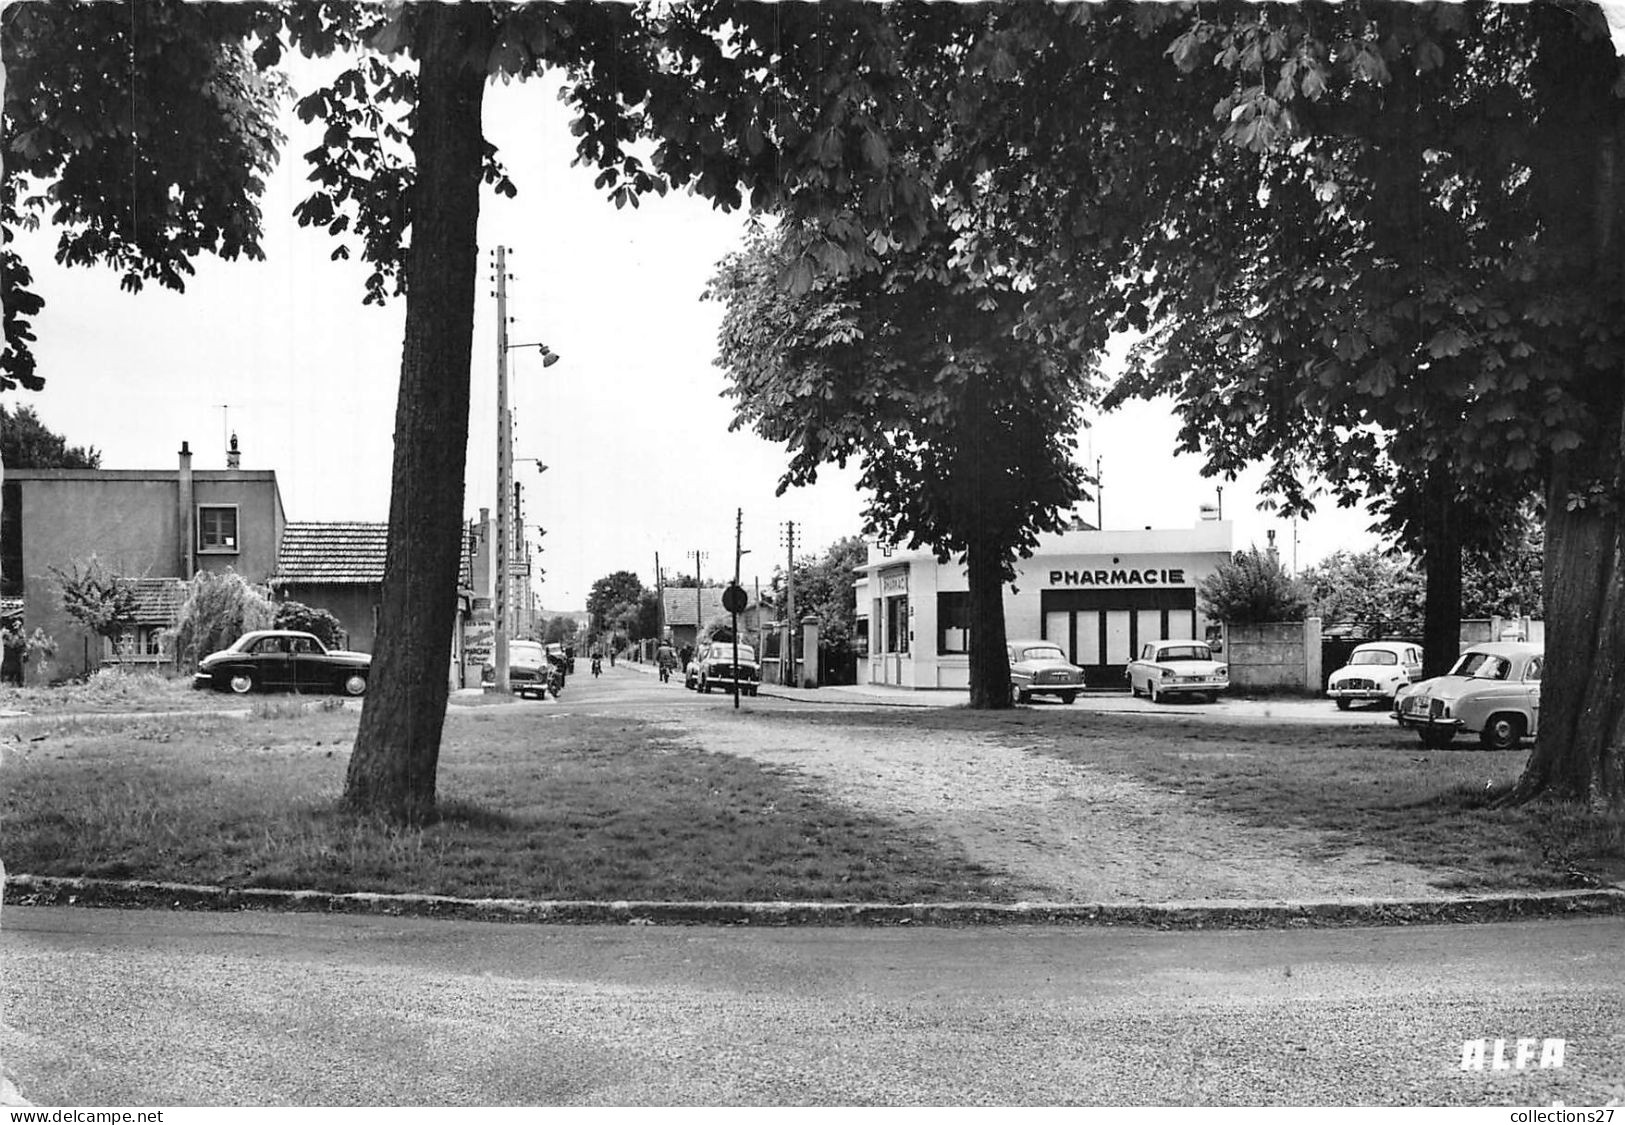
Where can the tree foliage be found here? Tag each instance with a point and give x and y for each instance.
(219, 607)
(963, 426)
(622, 588)
(1252, 589)
(144, 133)
(1374, 585)
(27, 443)
(824, 589)
(101, 600)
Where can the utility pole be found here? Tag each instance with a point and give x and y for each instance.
(790, 605)
(504, 476)
(698, 590)
(660, 603)
(1100, 517)
(739, 527)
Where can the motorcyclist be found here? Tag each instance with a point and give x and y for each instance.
(666, 658)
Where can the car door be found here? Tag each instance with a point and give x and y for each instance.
(1531, 682)
(308, 665)
(271, 663)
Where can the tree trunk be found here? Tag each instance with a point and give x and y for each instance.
(1580, 749)
(1441, 563)
(397, 748)
(989, 661)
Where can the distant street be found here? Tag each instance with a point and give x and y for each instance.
(131, 1008)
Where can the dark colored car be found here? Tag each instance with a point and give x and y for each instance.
(282, 660)
(715, 667)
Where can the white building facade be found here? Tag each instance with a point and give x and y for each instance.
(1100, 595)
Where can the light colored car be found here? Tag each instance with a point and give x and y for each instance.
(1041, 668)
(1374, 673)
(1493, 691)
(527, 668)
(717, 668)
(1185, 667)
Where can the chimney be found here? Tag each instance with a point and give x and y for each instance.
(234, 459)
(185, 533)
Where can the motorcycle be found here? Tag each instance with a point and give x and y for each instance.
(597, 667)
(555, 679)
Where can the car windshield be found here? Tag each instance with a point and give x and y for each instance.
(1185, 652)
(1042, 652)
(1373, 656)
(524, 652)
(724, 650)
(1482, 665)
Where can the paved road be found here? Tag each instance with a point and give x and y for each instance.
(133, 1008)
(632, 684)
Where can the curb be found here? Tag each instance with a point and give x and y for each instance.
(39, 890)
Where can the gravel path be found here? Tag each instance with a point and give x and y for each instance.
(1062, 832)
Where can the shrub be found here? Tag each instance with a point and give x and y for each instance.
(307, 619)
(1252, 589)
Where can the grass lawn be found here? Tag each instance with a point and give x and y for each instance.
(1372, 786)
(114, 690)
(531, 807)
(543, 807)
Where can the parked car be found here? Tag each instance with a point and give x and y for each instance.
(1041, 668)
(716, 667)
(1493, 691)
(1183, 667)
(528, 671)
(1374, 673)
(283, 660)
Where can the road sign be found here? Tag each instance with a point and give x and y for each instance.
(734, 599)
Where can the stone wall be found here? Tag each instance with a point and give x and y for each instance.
(1278, 656)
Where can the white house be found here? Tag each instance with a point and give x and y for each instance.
(1098, 594)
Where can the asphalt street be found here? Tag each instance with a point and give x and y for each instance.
(175, 1008)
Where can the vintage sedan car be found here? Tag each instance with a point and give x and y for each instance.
(1041, 668)
(1183, 667)
(715, 667)
(528, 672)
(1374, 673)
(283, 660)
(1493, 691)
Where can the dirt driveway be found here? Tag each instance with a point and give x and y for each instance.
(1062, 832)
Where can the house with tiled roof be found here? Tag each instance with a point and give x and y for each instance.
(157, 527)
(687, 610)
(338, 567)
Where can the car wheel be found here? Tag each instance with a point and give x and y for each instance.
(355, 684)
(241, 682)
(1436, 739)
(1342, 705)
(1068, 696)
(1501, 732)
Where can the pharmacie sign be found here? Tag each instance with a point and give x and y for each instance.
(1120, 576)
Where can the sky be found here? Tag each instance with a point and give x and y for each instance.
(631, 421)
